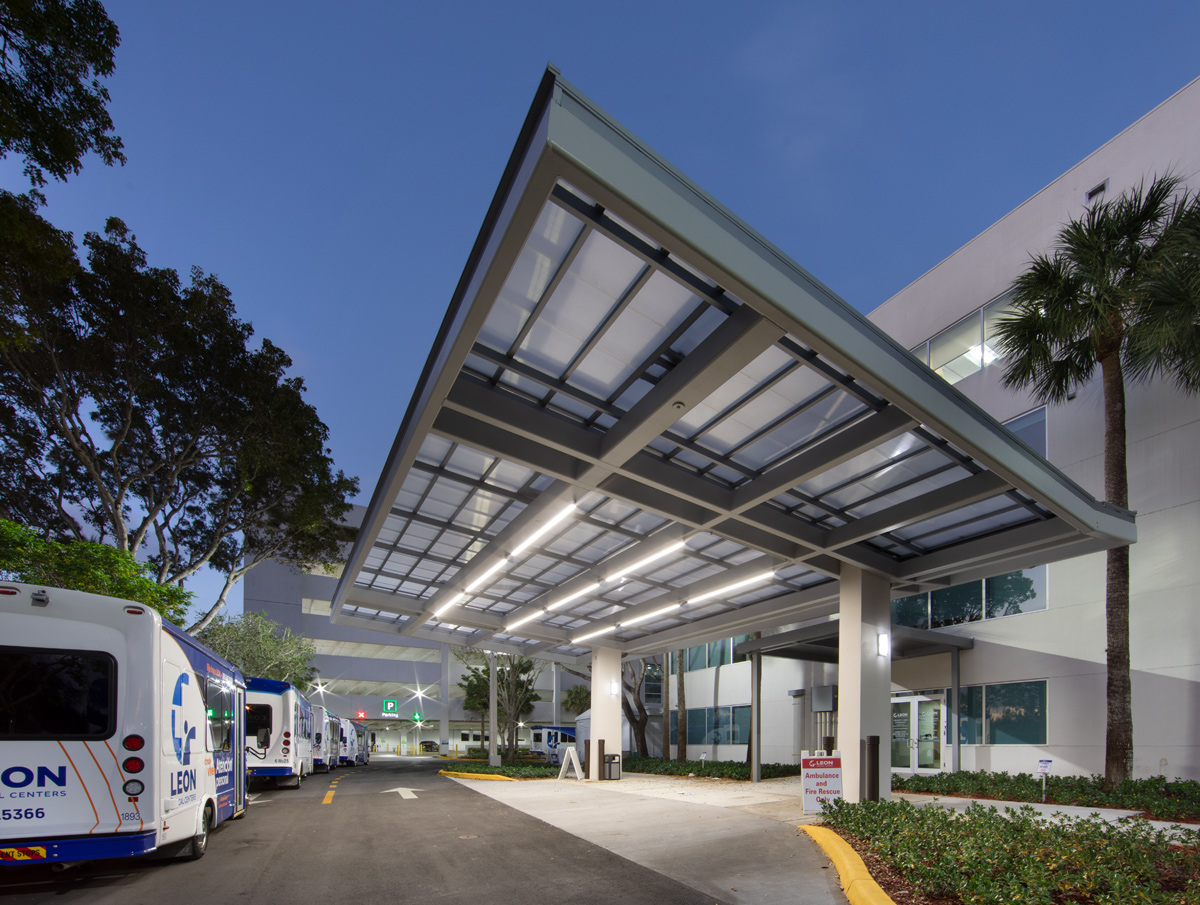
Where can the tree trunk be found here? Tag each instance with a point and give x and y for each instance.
(681, 706)
(1118, 742)
(750, 742)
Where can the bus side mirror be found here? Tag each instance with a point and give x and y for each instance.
(264, 738)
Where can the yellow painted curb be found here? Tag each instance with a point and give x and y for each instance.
(857, 883)
(477, 776)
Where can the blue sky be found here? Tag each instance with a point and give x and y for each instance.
(332, 163)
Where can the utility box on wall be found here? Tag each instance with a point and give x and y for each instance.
(824, 699)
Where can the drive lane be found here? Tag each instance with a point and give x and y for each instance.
(445, 843)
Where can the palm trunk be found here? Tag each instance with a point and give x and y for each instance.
(681, 706)
(1118, 742)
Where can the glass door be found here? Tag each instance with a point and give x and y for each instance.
(917, 733)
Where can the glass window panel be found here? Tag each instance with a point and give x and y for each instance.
(956, 605)
(901, 733)
(741, 725)
(674, 725)
(912, 611)
(1023, 591)
(57, 694)
(723, 731)
(970, 720)
(957, 352)
(697, 726)
(718, 652)
(1016, 713)
(1030, 428)
(992, 313)
(697, 657)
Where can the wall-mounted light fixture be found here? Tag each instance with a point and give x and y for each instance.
(885, 644)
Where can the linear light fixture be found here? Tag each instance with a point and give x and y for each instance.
(528, 617)
(646, 617)
(542, 531)
(744, 583)
(505, 561)
(597, 632)
(642, 563)
(582, 592)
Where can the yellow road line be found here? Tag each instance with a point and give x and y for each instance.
(328, 797)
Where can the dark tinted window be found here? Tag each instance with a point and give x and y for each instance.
(67, 694)
(258, 724)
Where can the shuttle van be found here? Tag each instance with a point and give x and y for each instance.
(279, 732)
(120, 734)
(348, 747)
(327, 740)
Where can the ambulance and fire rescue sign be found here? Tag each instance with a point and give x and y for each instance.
(822, 779)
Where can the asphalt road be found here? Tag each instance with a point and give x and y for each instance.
(393, 831)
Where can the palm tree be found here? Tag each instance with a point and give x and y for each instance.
(1119, 293)
(577, 699)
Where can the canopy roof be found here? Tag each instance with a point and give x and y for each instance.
(642, 426)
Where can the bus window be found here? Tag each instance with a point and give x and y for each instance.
(64, 694)
(258, 724)
(218, 700)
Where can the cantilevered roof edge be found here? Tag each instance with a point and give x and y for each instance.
(613, 162)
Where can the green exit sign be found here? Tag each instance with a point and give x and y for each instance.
(390, 706)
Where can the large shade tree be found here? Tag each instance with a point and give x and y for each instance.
(136, 411)
(1118, 294)
(53, 104)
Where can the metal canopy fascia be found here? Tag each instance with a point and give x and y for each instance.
(568, 139)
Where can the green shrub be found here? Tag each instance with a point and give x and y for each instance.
(719, 769)
(985, 857)
(1159, 798)
(517, 771)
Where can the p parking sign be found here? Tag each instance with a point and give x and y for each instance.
(390, 706)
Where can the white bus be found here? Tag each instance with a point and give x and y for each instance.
(327, 740)
(348, 747)
(279, 732)
(119, 734)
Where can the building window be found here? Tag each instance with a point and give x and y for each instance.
(1030, 428)
(714, 726)
(1012, 713)
(967, 346)
(912, 611)
(956, 605)
(1023, 591)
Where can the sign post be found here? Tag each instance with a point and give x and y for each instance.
(1044, 769)
(822, 779)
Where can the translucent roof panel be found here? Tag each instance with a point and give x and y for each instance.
(643, 426)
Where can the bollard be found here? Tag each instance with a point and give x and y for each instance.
(872, 768)
(827, 742)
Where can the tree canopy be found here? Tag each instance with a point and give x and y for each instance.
(53, 106)
(1119, 295)
(259, 647)
(516, 680)
(82, 566)
(137, 412)
(577, 699)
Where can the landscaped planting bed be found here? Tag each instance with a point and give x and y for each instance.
(1156, 797)
(986, 857)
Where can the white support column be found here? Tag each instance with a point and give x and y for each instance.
(864, 679)
(493, 754)
(444, 699)
(556, 715)
(606, 706)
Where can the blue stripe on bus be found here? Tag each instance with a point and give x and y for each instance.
(83, 848)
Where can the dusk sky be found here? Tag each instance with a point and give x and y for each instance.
(332, 163)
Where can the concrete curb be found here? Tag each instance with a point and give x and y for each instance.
(452, 774)
(857, 883)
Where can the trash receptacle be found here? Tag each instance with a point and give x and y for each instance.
(612, 767)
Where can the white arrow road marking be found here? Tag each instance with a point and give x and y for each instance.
(404, 793)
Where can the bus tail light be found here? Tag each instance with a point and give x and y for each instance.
(133, 765)
(133, 742)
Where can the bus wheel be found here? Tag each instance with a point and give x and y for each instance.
(200, 840)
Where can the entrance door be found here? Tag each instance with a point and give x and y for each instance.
(918, 733)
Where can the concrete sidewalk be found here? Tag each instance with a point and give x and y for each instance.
(734, 841)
